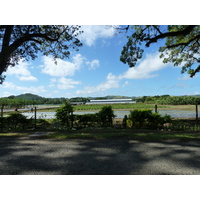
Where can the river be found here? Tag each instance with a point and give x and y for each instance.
(119, 114)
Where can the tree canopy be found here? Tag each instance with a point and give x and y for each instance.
(26, 41)
(182, 45)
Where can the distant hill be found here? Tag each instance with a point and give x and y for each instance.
(28, 96)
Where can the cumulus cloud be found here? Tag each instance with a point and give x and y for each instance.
(93, 32)
(111, 82)
(146, 68)
(186, 77)
(27, 78)
(32, 89)
(67, 83)
(21, 72)
(62, 68)
(93, 64)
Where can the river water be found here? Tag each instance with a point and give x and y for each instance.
(119, 114)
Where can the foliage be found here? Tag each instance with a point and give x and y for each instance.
(25, 41)
(87, 119)
(65, 115)
(147, 119)
(170, 100)
(16, 121)
(181, 44)
(106, 116)
(124, 122)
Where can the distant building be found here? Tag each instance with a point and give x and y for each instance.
(110, 101)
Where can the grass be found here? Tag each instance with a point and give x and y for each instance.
(110, 133)
(141, 135)
(126, 106)
(13, 134)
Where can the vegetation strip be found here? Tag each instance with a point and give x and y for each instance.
(141, 135)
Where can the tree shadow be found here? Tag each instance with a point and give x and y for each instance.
(98, 157)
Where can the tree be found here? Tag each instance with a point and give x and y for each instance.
(65, 114)
(106, 115)
(182, 45)
(25, 41)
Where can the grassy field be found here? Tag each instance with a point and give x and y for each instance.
(125, 106)
(128, 106)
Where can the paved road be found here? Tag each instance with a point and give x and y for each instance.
(80, 157)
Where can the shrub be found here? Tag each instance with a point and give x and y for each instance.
(16, 120)
(124, 122)
(106, 116)
(147, 119)
(65, 115)
(87, 119)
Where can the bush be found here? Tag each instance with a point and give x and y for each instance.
(87, 119)
(106, 116)
(65, 115)
(16, 121)
(147, 119)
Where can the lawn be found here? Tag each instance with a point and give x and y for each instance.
(141, 135)
(112, 133)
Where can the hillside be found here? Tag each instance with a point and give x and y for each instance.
(28, 96)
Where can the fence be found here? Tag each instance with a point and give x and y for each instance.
(156, 108)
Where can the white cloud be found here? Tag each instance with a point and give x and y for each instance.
(187, 77)
(32, 89)
(93, 32)
(21, 71)
(6, 94)
(64, 83)
(125, 84)
(93, 64)
(28, 78)
(111, 82)
(62, 68)
(146, 68)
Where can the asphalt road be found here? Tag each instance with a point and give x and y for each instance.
(33, 156)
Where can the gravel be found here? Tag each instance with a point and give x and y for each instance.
(33, 156)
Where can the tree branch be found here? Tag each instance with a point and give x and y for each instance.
(185, 31)
(6, 38)
(30, 37)
(184, 43)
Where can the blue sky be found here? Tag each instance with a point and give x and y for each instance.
(95, 70)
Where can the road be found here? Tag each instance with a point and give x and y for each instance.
(32, 156)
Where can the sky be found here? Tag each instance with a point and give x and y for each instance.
(96, 70)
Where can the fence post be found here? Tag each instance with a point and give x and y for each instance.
(156, 108)
(35, 117)
(1, 123)
(196, 113)
(2, 111)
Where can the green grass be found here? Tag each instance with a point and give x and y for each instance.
(13, 134)
(143, 135)
(109, 133)
(125, 106)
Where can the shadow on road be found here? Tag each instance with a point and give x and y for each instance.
(98, 157)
